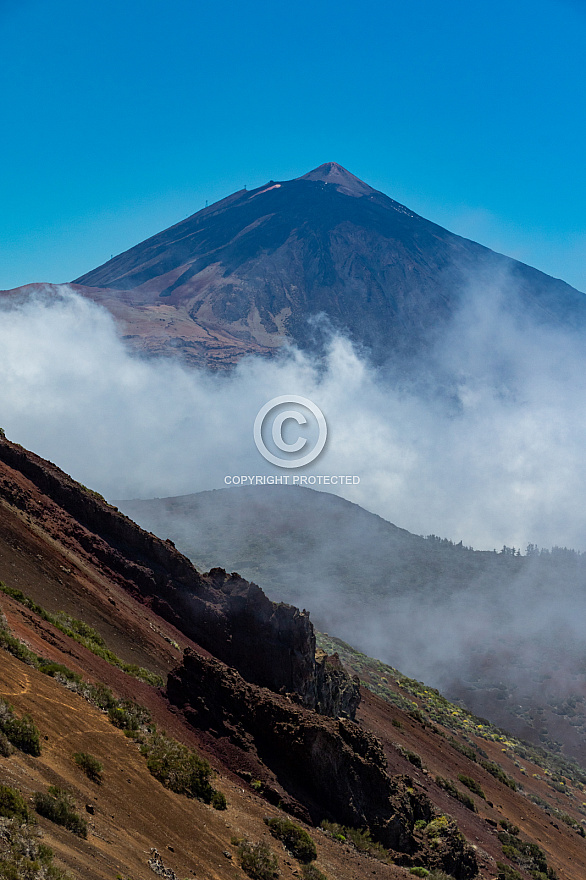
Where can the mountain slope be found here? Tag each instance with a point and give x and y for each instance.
(256, 269)
(65, 548)
(70, 561)
(501, 632)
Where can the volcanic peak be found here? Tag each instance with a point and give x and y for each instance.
(332, 173)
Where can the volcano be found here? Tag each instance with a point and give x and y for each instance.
(292, 261)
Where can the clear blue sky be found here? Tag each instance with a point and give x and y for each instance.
(119, 119)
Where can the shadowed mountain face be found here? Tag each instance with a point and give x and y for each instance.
(256, 269)
(502, 632)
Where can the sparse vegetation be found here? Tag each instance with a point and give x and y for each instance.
(79, 631)
(412, 757)
(56, 804)
(5, 746)
(438, 827)
(20, 732)
(360, 839)
(499, 774)
(180, 769)
(505, 872)
(464, 749)
(529, 856)
(472, 785)
(218, 800)
(12, 804)
(311, 872)
(451, 789)
(128, 715)
(177, 767)
(257, 860)
(23, 857)
(432, 707)
(90, 766)
(294, 838)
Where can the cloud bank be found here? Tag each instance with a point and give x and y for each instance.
(485, 441)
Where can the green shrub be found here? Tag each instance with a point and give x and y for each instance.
(177, 767)
(16, 648)
(100, 695)
(57, 806)
(505, 872)
(12, 804)
(499, 774)
(335, 831)
(566, 818)
(509, 827)
(414, 759)
(361, 839)
(527, 855)
(310, 872)
(24, 734)
(219, 801)
(438, 827)
(21, 732)
(472, 785)
(90, 766)
(419, 872)
(58, 670)
(257, 860)
(294, 838)
(128, 715)
(79, 628)
(24, 857)
(451, 789)
(464, 749)
(5, 747)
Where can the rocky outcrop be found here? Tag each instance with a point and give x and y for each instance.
(272, 645)
(336, 694)
(334, 768)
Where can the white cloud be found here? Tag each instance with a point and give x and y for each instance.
(491, 451)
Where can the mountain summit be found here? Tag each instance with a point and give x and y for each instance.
(248, 273)
(345, 182)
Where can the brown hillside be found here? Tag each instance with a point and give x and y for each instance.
(69, 551)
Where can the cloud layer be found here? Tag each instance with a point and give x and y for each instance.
(484, 442)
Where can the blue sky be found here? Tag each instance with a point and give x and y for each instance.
(119, 119)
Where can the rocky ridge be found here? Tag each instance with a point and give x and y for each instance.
(253, 683)
(271, 644)
(331, 768)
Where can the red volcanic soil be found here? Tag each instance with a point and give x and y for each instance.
(54, 559)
